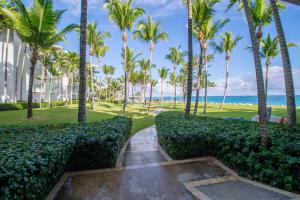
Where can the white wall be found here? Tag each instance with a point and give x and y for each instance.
(17, 62)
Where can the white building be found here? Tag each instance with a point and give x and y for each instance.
(14, 73)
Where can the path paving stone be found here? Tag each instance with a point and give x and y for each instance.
(146, 175)
(163, 182)
(239, 190)
(143, 149)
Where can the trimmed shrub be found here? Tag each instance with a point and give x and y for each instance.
(23, 105)
(100, 145)
(11, 106)
(237, 144)
(34, 157)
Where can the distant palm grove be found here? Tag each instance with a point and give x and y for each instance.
(55, 74)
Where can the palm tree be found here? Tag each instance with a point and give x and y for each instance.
(82, 64)
(107, 70)
(153, 84)
(163, 73)
(190, 60)
(287, 68)
(149, 31)
(37, 27)
(95, 41)
(73, 58)
(176, 57)
(144, 66)
(202, 12)
(228, 43)
(131, 62)
(123, 15)
(262, 106)
(209, 30)
(269, 50)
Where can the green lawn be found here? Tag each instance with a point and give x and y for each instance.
(140, 116)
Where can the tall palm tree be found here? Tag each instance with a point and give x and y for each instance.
(262, 106)
(153, 84)
(107, 70)
(287, 68)
(176, 57)
(95, 41)
(202, 12)
(131, 62)
(36, 26)
(144, 66)
(209, 30)
(149, 31)
(82, 64)
(227, 44)
(163, 73)
(73, 58)
(269, 50)
(123, 15)
(190, 60)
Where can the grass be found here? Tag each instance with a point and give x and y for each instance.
(141, 118)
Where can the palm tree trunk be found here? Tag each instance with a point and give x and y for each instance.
(92, 82)
(50, 92)
(226, 82)
(287, 68)
(145, 88)
(161, 92)
(42, 86)
(125, 71)
(175, 83)
(33, 60)
(71, 89)
(17, 73)
(267, 78)
(150, 68)
(82, 68)
(206, 83)
(6, 67)
(22, 74)
(199, 80)
(190, 67)
(151, 87)
(106, 88)
(262, 107)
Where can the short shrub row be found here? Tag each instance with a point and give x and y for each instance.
(24, 105)
(237, 144)
(34, 157)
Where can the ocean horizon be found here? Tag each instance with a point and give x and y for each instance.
(273, 100)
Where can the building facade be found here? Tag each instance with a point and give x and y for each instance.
(14, 74)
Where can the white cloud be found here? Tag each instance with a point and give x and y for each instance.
(246, 84)
(241, 85)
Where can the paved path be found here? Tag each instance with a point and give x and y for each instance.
(146, 175)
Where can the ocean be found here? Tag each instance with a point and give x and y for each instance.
(274, 100)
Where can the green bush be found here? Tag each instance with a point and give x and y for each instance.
(100, 145)
(237, 144)
(24, 105)
(11, 106)
(34, 157)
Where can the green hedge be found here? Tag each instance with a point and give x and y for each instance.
(237, 144)
(34, 157)
(24, 105)
(100, 145)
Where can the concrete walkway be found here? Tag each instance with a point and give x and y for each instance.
(149, 174)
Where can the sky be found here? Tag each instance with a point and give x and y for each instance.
(173, 17)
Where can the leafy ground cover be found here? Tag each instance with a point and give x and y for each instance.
(237, 144)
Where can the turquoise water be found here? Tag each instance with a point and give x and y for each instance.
(275, 100)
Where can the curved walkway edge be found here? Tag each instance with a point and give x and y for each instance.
(145, 171)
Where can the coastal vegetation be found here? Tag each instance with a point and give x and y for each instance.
(89, 131)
